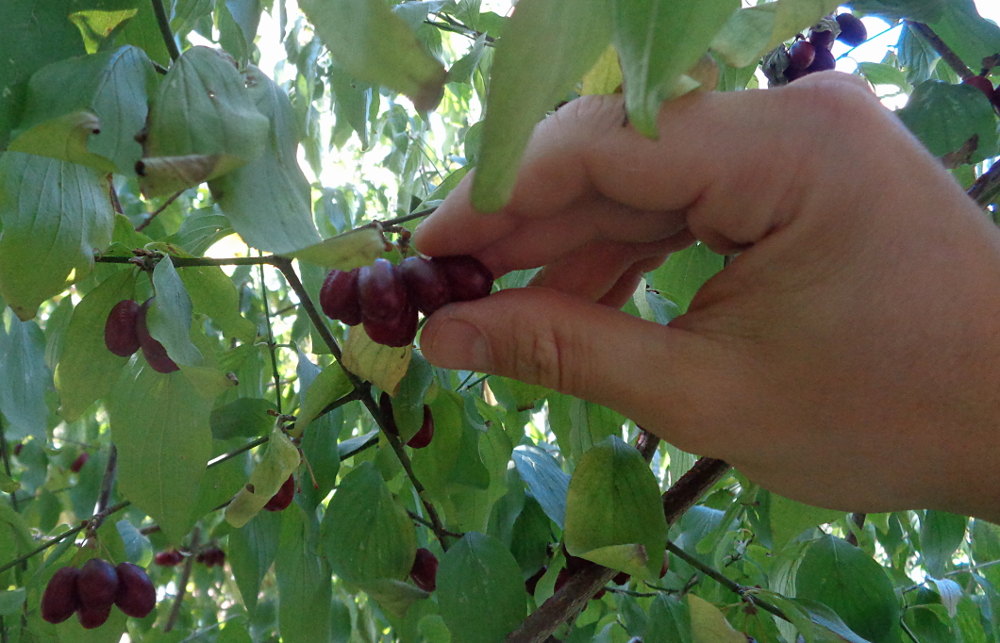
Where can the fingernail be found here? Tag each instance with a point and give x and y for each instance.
(459, 344)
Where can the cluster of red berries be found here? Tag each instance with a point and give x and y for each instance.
(93, 589)
(812, 55)
(425, 569)
(125, 332)
(422, 437)
(386, 297)
(211, 557)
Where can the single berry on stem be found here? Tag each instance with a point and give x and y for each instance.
(425, 283)
(168, 558)
(424, 571)
(60, 599)
(423, 437)
(136, 594)
(281, 500)
(852, 31)
(338, 297)
(97, 585)
(120, 336)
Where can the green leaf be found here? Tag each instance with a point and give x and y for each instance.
(569, 37)
(33, 34)
(754, 30)
(279, 461)
(353, 102)
(657, 41)
(304, 587)
(64, 138)
(480, 590)
(87, 370)
(408, 403)
(614, 500)
(941, 533)
(916, 55)
(252, 549)
(111, 86)
(267, 200)
(213, 294)
(25, 380)
(375, 45)
(138, 549)
(160, 425)
(143, 32)
(200, 230)
(966, 33)
(883, 74)
(850, 583)
(545, 479)
(202, 109)
(366, 535)
(8, 484)
(669, 622)
(709, 625)
(685, 272)
(169, 316)
(393, 596)
(331, 384)
(359, 247)
(946, 117)
(790, 518)
(98, 27)
(817, 622)
(891, 10)
(245, 417)
(12, 601)
(54, 216)
(321, 450)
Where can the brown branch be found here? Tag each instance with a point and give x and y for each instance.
(166, 204)
(164, 24)
(107, 484)
(691, 486)
(942, 49)
(175, 609)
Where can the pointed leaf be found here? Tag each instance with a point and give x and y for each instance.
(394, 596)
(64, 138)
(790, 518)
(359, 247)
(160, 425)
(213, 294)
(546, 480)
(267, 200)
(950, 592)
(945, 117)
(569, 37)
(304, 588)
(25, 380)
(244, 417)
(685, 272)
(279, 461)
(605, 77)
(366, 535)
(817, 622)
(375, 45)
(941, 533)
(752, 31)
(614, 499)
(383, 366)
(54, 216)
(669, 622)
(480, 590)
(252, 549)
(657, 41)
(169, 316)
(329, 385)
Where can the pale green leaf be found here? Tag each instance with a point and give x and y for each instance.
(64, 138)
(383, 366)
(375, 45)
(946, 117)
(8, 484)
(752, 31)
(252, 550)
(160, 425)
(669, 622)
(97, 26)
(393, 596)
(709, 625)
(304, 587)
(279, 461)
(138, 549)
(54, 216)
(169, 316)
(213, 294)
(25, 380)
(12, 601)
(329, 385)
(684, 273)
(545, 479)
(941, 533)
(480, 590)
(569, 37)
(359, 247)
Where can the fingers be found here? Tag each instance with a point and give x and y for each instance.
(656, 375)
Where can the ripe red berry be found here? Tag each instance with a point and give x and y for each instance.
(168, 558)
(821, 39)
(120, 329)
(136, 593)
(425, 283)
(621, 578)
(564, 575)
(92, 618)
(213, 556)
(97, 585)
(18, 447)
(532, 583)
(381, 292)
(981, 83)
(824, 61)
(852, 30)
(152, 350)
(79, 462)
(467, 277)
(424, 436)
(339, 296)
(395, 331)
(281, 500)
(60, 599)
(424, 571)
(801, 54)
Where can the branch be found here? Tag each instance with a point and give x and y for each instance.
(691, 486)
(270, 341)
(984, 191)
(107, 484)
(175, 610)
(164, 24)
(942, 49)
(166, 204)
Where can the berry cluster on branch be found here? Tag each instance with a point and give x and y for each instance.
(92, 590)
(125, 332)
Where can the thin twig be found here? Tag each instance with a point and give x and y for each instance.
(166, 204)
(232, 454)
(107, 484)
(270, 341)
(427, 523)
(942, 49)
(164, 24)
(175, 609)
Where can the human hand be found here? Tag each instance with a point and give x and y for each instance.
(848, 357)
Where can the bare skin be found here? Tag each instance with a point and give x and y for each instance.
(849, 357)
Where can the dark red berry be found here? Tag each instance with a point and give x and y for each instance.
(981, 83)
(424, 436)
(79, 462)
(18, 447)
(385, 408)
(852, 30)
(621, 578)
(152, 350)
(395, 331)
(575, 563)
(92, 618)
(665, 567)
(120, 329)
(97, 585)
(136, 593)
(213, 555)
(381, 292)
(821, 39)
(532, 583)
(801, 54)
(60, 599)
(425, 569)
(339, 296)
(599, 595)
(564, 575)
(281, 500)
(467, 277)
(794, 74)
(824, 61)
(426, 284)
(168, 558)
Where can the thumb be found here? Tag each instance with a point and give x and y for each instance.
(656, 375)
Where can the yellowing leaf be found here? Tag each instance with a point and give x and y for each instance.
(352, 249)
(279, 461)
(64, 138)
(605, 77)
(708, 625)
(383, 366)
